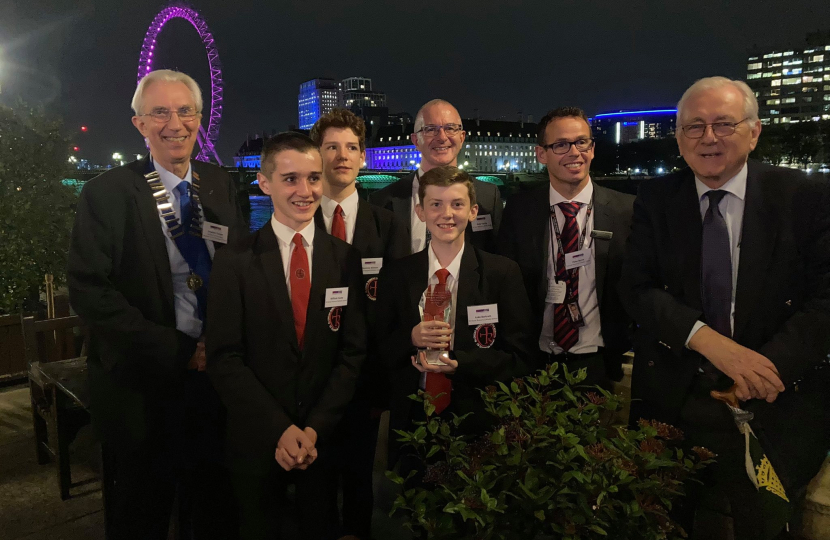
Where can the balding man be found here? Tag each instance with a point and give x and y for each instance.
(727, 273)
(439, 137)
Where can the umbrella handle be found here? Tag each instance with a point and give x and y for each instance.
(727, 397)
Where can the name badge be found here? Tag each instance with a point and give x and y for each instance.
(371, 266)
(483, 223)
(556, 292)
(488, 313)
(215, 232)
(337, 297)
(577, 258)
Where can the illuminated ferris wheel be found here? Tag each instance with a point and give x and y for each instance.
(210, 135)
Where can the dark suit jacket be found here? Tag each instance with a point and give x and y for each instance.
(525, 237)
(378, 233)
(484, 279)
(782, 305)
(265, 381)
(121, 285)
(397, 198)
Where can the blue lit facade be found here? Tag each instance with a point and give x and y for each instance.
(393, 158)
(623, 127)
(317, 97)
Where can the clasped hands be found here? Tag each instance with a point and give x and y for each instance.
(198, 361)
(295, 449)
(754, 374)
(433, 335)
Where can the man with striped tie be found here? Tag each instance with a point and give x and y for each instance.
(568, 238)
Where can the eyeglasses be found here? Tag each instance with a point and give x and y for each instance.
(160, 114)
(720, 129)
(432, 130)
(563, 147)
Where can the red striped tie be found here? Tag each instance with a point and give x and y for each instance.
(300, 286)
(565, 332)
(338, 224)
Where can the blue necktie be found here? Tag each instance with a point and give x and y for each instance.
(193, 248)
(716, 267)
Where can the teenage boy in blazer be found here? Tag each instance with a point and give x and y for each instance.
(285, 345)
(494, 347)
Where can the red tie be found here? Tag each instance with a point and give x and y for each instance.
(437, 383)
(565, 332)
(300, 286)
(338, 225)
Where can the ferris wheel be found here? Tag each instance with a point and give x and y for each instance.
(209, 136)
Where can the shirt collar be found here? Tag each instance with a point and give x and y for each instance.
(454, 267)
(285, 234)
(170, 180)
(735, 185)
(349, 205)
(583, 196)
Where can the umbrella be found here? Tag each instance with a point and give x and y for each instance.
(775, 506)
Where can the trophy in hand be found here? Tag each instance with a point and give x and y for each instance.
(436, 305)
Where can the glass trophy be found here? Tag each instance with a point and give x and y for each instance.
(436, 305)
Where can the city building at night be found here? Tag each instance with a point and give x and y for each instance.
(358, 91)
(317, 97)
(623, 127)
(792, 84)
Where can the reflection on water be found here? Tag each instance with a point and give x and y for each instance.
(261, 210)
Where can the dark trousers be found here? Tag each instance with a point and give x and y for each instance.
(594, 364)
(266, 512)
(353, 464)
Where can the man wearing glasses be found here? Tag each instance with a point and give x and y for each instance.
(139, 268)
(568, 238)
(439, 137)
(727, 273)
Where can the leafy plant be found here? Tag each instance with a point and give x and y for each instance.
(36, 210)
(553, 466)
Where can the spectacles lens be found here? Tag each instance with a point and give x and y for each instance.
(582, 144)
(723, 129)
(695, 131)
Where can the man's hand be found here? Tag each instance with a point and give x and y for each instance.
(294, 448)
(198, 361)
(432, 334)
(421, 364)
(754, 374)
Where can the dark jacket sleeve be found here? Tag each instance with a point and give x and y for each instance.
(95, 251)
(351, 355)
(237, 385)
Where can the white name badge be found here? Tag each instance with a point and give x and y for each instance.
(371, 266)
(483, 223)
(215, 232)
(337, 297)
(556, 292)
(488, 313)
(577, 258)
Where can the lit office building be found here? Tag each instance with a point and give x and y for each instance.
(358, 91)
(491, 146)
(629, 126)
(792, 84)
(317, 97)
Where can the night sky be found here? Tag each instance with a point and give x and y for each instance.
(80, 57)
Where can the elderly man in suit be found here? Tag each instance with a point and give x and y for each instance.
(439, 137)
(568, 238)
(139, 268)
(727, 274)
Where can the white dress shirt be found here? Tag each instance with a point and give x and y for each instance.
(184, 300)
(285, 239)
(732, 208)
(590, 335)
(349, 206)
(419, 228)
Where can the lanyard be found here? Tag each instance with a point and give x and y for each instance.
(554, 225)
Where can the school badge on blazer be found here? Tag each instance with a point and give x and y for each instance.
(335, 315)
(485, 335)
(372, 289)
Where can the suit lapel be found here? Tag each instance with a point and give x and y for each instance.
(758, 234)
(468, 286)
(318, 218)
(418, 278)
(686, 232)
(539, 220)
(603, 221)
(402, 201)
(324, 274)
(365, 232)
(272, 266)
(150, 222)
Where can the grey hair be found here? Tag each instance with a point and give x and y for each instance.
(419, 118)
(170, 76)
(711, 83)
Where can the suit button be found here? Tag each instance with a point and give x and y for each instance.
(651, 363)
(789, 302)
(299, 404)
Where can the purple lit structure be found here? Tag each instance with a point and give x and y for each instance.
(209, 137)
